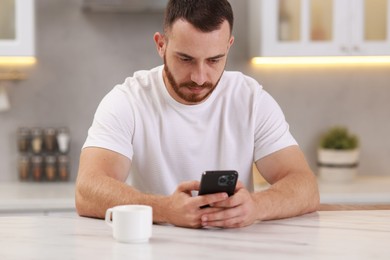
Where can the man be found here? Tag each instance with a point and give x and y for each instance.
(162, 128)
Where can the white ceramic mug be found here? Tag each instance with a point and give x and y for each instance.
(130, 223)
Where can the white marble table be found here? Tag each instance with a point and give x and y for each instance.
(321, 235)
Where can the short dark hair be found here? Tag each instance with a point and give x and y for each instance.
(205, 15)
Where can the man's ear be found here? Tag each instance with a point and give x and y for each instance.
(231, 41)
(159, 39)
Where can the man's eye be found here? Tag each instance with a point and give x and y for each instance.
(185, 59)
(214, 61)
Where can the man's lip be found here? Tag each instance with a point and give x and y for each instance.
(195, 89)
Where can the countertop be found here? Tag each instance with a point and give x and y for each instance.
(320, 235)
(363, 190)
(22, 197)
(28, 197)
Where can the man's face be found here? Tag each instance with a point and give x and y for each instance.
(194, 60)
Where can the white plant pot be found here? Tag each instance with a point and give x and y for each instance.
(337, 165)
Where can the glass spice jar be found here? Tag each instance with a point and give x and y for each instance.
(37, 167)
(24, 167)
(23, 139)
(36, 140)
(63, 140)
(50, 139)
(50, 167)
(63, 167)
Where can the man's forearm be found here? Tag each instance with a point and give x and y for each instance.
(289, 197)
(95, 195)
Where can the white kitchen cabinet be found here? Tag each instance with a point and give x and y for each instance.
(319, 27)
(17, 26)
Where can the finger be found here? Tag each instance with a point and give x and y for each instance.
(228, 223)
(209, 210)
(208, 199)
(239, 185)
(225, 218)
(230, 202)
(221, 215)
(188, 186)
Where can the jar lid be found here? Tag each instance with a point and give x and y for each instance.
(63, 158)
(50, 131)
(50, 159)
(24, 158)
(36, 131)
(37, 159)
(23, 131)
(64, 130)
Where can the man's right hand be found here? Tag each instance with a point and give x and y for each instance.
(184, 210)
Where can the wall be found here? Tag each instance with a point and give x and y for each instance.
(81, 56)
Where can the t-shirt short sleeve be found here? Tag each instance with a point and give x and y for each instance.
(112, 125)
(271, 129)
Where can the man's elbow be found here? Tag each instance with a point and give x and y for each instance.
(313, 198)
(81, 203)
(315, 204)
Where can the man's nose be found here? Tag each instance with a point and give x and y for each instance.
(198, 74)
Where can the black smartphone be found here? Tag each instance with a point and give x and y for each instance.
(218, 181)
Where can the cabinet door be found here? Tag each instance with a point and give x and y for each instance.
(17, 28)
(370, 27)
(302, 27)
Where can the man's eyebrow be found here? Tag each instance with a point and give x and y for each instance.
(210, 58)
(217, 57)
(184, 55)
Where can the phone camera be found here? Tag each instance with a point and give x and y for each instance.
(226, 180)
(222, 180)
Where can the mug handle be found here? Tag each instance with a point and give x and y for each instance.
(108, 217)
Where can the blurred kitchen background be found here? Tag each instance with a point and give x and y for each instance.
(81, 54)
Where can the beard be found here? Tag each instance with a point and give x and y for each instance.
(179, 88)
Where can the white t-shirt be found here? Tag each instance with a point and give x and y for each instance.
(169, 142)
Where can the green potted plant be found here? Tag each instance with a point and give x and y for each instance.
(338, 155)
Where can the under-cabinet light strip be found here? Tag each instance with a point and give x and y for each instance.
(17, 61)
(339, 60)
